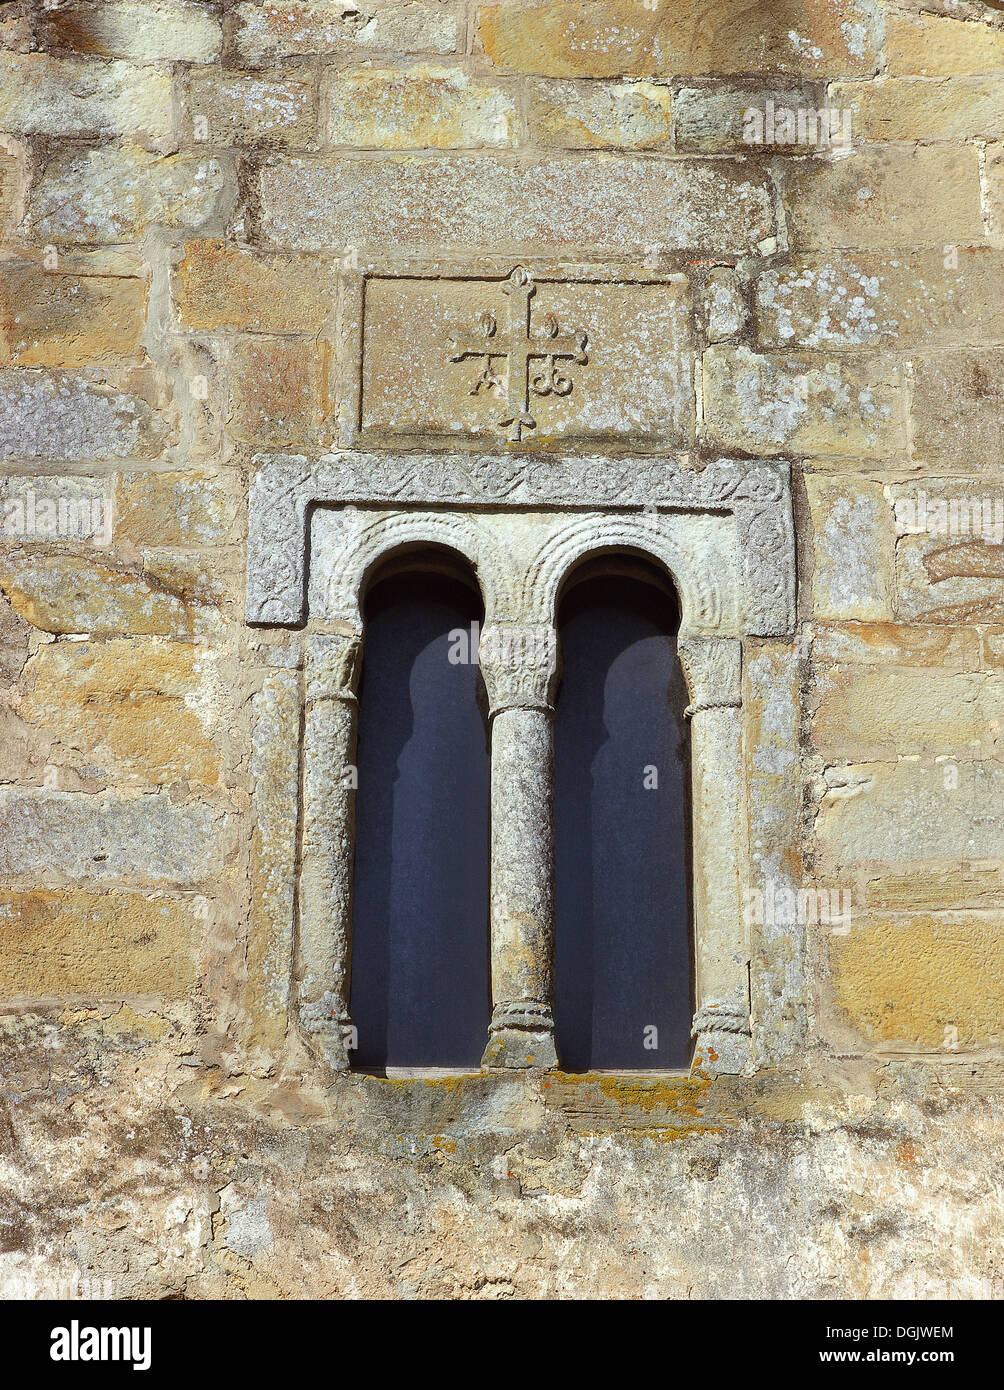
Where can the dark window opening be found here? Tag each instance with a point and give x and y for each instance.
(420, 994)
(623, 948)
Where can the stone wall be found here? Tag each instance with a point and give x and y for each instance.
(189, 194)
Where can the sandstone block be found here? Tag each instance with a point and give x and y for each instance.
(264, 32)
(74, 594)
(226, 108)
(772, 404)
(713, 119)
(597, 115)
(416, 108)
(41, 95)
(905, 109)
(896, 644)
(278, 392)
(62, 415)
(147, 838)
(886, 197)
(70, 943)
(607, 203)
(955, 404)
(172, 509)
(173, 31)
(897, 711)
(923, 981)
(219, 286)
(627, 38)
(52, 319)
(114, 193)
(852, 538)
(925, 45)
(897, 813)
(911, 299)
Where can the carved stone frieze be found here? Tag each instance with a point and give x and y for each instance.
(634, 503)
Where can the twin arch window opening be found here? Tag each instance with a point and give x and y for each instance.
(422, 950)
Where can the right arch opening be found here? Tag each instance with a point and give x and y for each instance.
(624, 957)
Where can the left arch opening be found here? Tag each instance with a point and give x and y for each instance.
(420, 994)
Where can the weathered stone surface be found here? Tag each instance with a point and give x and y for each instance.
(54, 319)
(61, 415)
(613, 38)
(70, 943)
(266, 32)
(896, 644)
(852, 540)
(51, 833)
(945, 576)
(994, 175)
(275, 771)
(218, 286)
(71, 594)
(936, 890)
(911, 298)
(608, 203)
(190, 310)
(598, 115)
(932, 46)
(14, 181)
(144, 30)
(432, 107)
(886, 197)
(879, 714)
(712, 119)
(911, 810)
(772, 404)
(227, 108)
(955, 403)
(923, 980)
(49, 96)
(139, 736)
(113, 194)
(904, 109)
(637, 376)
(279, 392)
(172, 509)
(779, 980)
(725, 301)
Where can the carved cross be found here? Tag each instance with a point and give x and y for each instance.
(522, 350)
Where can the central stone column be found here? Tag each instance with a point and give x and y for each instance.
(519, 665)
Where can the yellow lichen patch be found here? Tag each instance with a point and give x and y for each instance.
(925, 981)
(72, 943)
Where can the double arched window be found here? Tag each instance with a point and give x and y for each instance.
(621, 976)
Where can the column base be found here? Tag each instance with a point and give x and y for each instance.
(724, 1044)
(521, 1036)
(327, 1021)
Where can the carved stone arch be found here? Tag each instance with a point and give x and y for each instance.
(369, 538)
(703, 604)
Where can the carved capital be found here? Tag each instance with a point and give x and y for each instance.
(333, 665)
(713, 669)
(520, 664)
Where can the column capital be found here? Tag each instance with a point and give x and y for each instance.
(333, 664)
(519, 662)
(713, 670)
